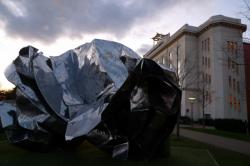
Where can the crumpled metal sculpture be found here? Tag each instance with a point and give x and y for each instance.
(102, 92)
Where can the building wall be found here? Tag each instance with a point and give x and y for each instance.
(218, 74)
(191, 76)
(247, 75)
(219, 71)
(236, 56)
(203, 63)
(207, 51)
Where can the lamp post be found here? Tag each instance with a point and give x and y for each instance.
(192, 99)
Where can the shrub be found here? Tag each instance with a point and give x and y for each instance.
(233, 125)
(185, 120)
(208, 122)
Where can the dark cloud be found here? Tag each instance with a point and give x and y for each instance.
(46, 20)
(144, 49)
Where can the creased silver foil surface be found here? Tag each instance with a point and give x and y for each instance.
(101, 92)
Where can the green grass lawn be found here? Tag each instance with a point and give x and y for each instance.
(222, 156)
(183, 152)
(239, 136)
(2, 136)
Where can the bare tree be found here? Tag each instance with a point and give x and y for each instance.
(246, 10)
(188, 74)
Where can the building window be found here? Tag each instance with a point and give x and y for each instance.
(238, 86)
(203, 60)
(171, 60)
(208, 62)
(206, 96)
(238, 105)
(228, 46)
(229, 81)
(205, 45)
(229, 63)
(210, 98)
(232, 47)
(235, 103)
(231, 101)
(208, 44)
(207, 78)
(233, 65)
(235, 48)
(234, 84)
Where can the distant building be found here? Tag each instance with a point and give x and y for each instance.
(246, 46)
(209, 59)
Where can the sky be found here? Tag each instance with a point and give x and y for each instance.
(55, 26)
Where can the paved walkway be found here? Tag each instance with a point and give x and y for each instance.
(222, 142)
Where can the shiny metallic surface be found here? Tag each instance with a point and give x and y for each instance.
(101, 92)
(5, 115)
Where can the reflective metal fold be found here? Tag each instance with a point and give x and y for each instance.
(102, 92)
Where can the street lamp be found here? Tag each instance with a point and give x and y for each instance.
(192, 99)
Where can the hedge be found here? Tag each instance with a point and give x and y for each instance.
(208, 122)
(233, 125)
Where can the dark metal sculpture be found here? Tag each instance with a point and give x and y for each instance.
(102, 92)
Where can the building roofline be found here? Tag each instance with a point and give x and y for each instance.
(196, 31)
(246, 40)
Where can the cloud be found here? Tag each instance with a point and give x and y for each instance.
(144, 48)
(47, 20)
